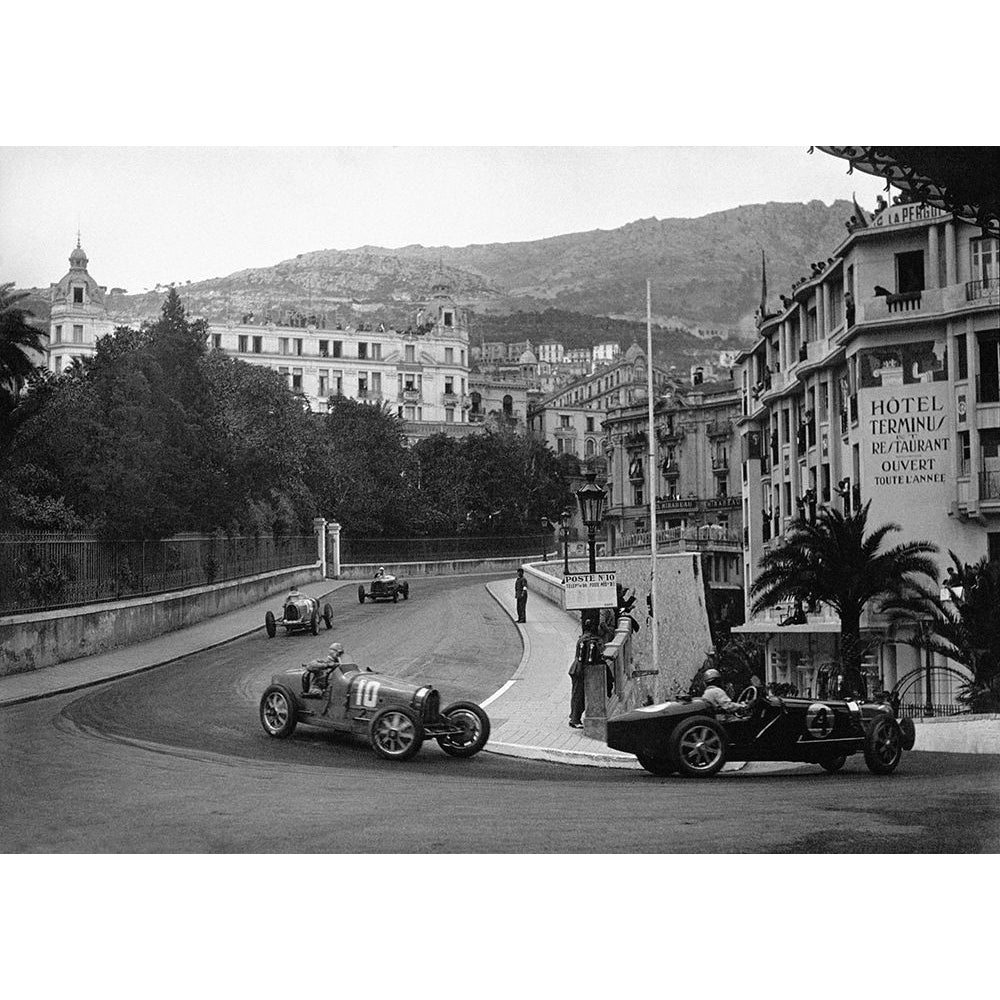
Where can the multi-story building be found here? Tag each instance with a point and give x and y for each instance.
(550, 351)
(604, 354)
(876, 381)
(570, 417)
(499, 401)
(79, 316)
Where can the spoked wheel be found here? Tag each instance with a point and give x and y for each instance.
(270, 625)
(833, 764)
(883, 746)
(396, 733)
(657, 763)
(328, 616)
(277, 712)
(475, 725)
(361, 595)
(698, 747)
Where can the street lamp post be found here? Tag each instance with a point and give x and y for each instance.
(564, 519)
(591, 498)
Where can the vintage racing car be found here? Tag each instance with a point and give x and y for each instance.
(300, 613)
(392, 714)
(384, 588)
(688, 736)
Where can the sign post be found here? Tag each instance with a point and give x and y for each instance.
(584, 591)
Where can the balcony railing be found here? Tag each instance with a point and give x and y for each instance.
(988, 388)
(719, 428)
(636, 440)
(985, 288)
(989, 486)
(903, 302)
(410, 396)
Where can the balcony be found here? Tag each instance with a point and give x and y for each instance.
(719, 428)
(670, 435)
(410, 396)
(902, 304)
(988, 388)
(720, 463)
(636, 440)
(369, 393)
(989, 487)
(987, 288)
(670, 469)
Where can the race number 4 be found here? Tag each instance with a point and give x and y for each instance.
(819, 720)
(366, 694)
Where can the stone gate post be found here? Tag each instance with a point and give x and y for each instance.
(333, 549)
(319, 526)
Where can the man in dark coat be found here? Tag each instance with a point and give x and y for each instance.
(521, 594)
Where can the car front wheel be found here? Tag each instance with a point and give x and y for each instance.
(698, 747)
(270, 625)
(277, 712)
(396, 733)
(361, 595)
(406, 591)
(475, 725)
(657, 763)
(883, 746)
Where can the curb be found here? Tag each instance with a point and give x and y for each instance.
(82, 685)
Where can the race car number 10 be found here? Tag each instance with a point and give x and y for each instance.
(366, 694)
(819, 720)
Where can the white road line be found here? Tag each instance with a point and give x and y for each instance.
(496, 694)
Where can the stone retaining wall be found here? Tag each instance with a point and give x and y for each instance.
(41, 639)
(959, 734)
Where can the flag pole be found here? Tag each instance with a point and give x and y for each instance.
(652, 474)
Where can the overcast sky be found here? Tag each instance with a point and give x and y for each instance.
(151, 214)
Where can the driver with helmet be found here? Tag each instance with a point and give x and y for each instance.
(380, 575)
(716, 696)
(314, 681)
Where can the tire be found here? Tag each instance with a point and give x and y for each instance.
(698, 747)
(328, 616)
(277, 712)
(477, 729)
(396, 733)
(883, 746)
(361, 595)
(314, 623)
(406, 591)
(395, 596)
(833, 764)
(270, 626)
(658, 764)
(908, 731)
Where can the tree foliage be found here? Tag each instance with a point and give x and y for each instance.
(834, 561)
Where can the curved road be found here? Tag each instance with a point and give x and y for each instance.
(175, 760)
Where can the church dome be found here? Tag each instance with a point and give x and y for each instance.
(78, 258)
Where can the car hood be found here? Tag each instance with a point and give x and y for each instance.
(693, 706)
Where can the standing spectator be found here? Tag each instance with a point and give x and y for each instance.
(521, 594)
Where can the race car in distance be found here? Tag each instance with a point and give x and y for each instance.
(384, 588)
(393, 715)
(688, 736)
(300, 614)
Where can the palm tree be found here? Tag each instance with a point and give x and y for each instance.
(830, 560)
(17, 338)
(964, 626)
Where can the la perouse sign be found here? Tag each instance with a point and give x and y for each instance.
(899, 215)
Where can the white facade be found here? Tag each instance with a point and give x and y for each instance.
(79, 317)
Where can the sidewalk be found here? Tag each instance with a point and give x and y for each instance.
(89, 670)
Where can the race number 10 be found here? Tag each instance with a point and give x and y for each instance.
(366, 694)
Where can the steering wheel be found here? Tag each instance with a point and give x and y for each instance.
(748, 695)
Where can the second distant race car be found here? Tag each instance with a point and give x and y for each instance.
(299, 614)
(384, 588)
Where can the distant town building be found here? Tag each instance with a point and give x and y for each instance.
(605, 353)
(550, 351)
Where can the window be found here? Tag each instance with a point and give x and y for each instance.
(824, 401)
(217, 341)
(985, 259)
(409, 354)
(58, 334)
(961, 352)
(564, 420)
(590, 423)
(77, 333)
(336, 383)
(376, 352)
(296, 379)
(449, 415)
(362, 350)
(784, 427)
(993, 546)
(448, 318)
(77, 295)
(409, 412)
(338, 348)
(462, 355)
(449, 386)
(324, 348)
(243, 342)
(964, 453)
(377, 383)
(324, 383)
(258, 345)
(508, 406)
(282, 345)
(910, 272)
(362, 383)
(637, 495)
(449, 355)
(298, 346)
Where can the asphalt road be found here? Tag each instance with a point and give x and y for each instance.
(175, 760)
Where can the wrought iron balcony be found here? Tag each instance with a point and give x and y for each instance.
(985, 288)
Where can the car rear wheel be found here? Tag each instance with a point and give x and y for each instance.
(406, 591)
(833, 764)
(657, 763)
(270, 625)
(396, 733)
(908, 731)
(277, 712)
(698, 747)
(475, 725)
(883, 746)
(328, 616)
(361, 595)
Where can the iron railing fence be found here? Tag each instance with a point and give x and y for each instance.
(45, 571)
(923, 711)
(402, 550)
